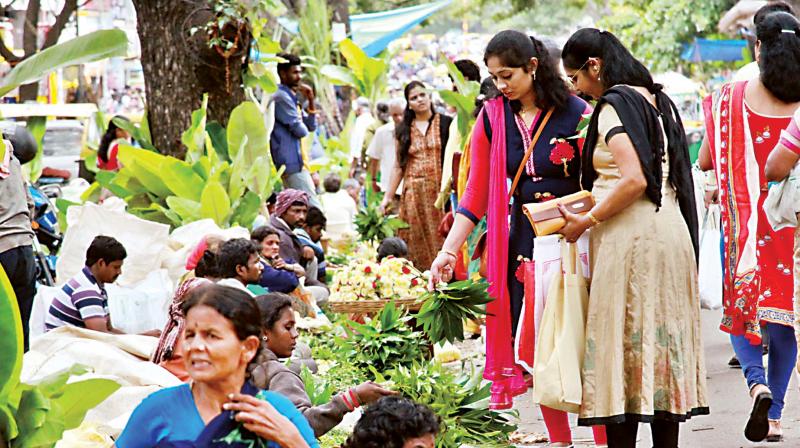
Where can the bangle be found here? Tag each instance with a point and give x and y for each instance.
(354, 397)
(592, 218)
(448, 252)
(347, 403)
(311, 111)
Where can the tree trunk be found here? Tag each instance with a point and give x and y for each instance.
(30, 46)
(340, 12)
(179, 68)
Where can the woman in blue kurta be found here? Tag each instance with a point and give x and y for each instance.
(222, 336)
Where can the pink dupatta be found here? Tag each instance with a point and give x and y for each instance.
(500, 367)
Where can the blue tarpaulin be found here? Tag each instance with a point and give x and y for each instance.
(714, 50)
(374, 32)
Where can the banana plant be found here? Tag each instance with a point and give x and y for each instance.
(463, 99)
(88, 48)
(226, 174)
(366, 74)
(36, 415)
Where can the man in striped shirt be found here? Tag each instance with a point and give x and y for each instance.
(82, 301)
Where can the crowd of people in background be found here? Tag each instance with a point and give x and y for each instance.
(232, 321)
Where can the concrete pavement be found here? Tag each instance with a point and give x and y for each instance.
(729, 403)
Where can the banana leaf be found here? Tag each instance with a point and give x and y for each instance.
(246, 120)
(215, 203)
(139, 133)
(10, 338)
(195, 137)
(87, 48)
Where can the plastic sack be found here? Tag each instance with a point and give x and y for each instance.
(41, 306)
(546, 262)
(709, 275)
(560, 345)
(144, 241)
(141, 307)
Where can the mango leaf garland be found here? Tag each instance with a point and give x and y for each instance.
(445, 309)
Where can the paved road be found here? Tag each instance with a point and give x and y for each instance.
(729, 405)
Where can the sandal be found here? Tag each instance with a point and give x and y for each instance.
(775, 431)
(757, 427)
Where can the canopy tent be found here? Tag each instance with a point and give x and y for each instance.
(714, 50)
(374, 32)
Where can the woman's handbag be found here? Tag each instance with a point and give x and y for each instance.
(481, 248)
(560, 344)
(546, 218)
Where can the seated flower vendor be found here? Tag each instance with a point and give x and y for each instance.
(83, 301)
(267, 372)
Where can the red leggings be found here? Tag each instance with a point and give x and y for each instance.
(558, 430)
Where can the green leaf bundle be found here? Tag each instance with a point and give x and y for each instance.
(445, 309)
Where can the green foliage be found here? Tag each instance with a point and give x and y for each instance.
(655, 30)
(319, 392)
(10, 340)
(366, 74)
(36, 415)
(140, 133)
(371, 223)
(461, 401)
(383, 342)
(314, 42)
(237, 13)
(334, 438)
(226, 174)
(87, 48)
(445, 309)
(463, 100)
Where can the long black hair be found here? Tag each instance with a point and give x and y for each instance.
(108, 137)
(619, 65)
(779, 55)
(515, 49)
(403, 131)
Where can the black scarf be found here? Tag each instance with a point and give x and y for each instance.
(641, 123)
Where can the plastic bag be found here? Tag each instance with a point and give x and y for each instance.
(710, 269)
(560, 345)
(144, 241)
(141, 307)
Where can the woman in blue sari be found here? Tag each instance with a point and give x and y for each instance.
(219, 407)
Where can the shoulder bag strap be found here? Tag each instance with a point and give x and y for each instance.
(528, 153)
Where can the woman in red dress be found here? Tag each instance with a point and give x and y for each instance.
(743, 124)
(109, 145)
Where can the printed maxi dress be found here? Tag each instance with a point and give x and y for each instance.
(421, 178)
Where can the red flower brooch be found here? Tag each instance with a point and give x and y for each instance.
(562, 153)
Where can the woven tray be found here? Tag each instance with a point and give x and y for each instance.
(371, 306)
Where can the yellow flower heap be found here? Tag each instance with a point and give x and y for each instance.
(393, 278)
